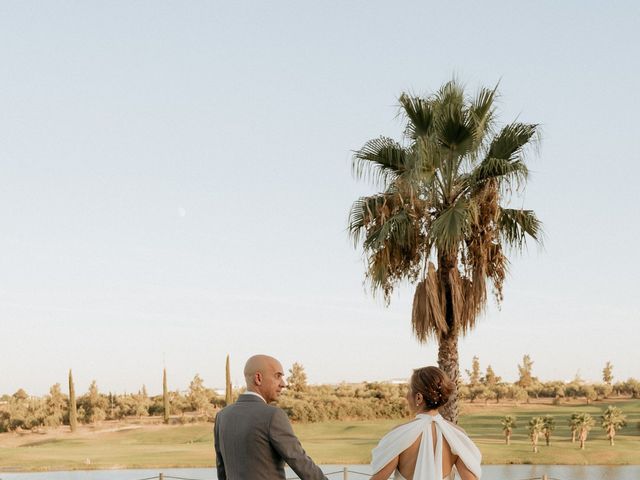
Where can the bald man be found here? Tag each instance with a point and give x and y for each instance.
(254, 439)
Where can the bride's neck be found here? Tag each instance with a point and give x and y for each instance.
(433, 413)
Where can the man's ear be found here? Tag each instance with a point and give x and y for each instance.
(257, 378)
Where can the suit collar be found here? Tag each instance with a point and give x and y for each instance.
(247, 397)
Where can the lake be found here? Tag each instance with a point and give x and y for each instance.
(489, 472)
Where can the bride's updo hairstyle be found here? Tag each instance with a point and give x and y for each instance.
(434, 385)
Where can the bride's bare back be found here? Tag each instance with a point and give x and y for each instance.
(405, 463)
(407, 460)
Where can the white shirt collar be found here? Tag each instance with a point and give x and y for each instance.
(249, 392)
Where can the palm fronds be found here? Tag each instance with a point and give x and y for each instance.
(451, 226)
(380, 160)
(481, 113)
(515, 171)
(510, 142)
(368, 210)
(428, 314)
(419, 114)
(515, 225)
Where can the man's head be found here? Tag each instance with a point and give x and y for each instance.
(264, 375)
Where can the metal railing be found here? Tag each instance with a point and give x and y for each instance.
(345, 472)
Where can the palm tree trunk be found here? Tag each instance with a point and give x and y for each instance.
(448, 362)
(448, 343)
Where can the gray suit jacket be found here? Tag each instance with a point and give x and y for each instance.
(253, 440)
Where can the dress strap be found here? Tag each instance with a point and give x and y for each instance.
(460, 444)
(429, 461)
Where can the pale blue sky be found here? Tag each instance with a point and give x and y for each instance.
(176, 180)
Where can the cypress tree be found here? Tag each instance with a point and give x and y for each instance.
(228, 392)
(73, 412)
(165, 397)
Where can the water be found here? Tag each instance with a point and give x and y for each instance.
(489, 472)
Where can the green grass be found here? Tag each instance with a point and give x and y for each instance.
(483, 425)
(162, 446)
(157, 446)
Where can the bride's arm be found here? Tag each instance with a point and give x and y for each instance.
(387, 470)
(463, 471)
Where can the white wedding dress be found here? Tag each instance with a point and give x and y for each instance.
(398, 476)
(428, 464)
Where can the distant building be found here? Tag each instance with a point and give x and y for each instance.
(398, 381)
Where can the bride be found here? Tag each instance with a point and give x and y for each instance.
(428, 447)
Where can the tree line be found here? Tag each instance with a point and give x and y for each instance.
(488, 386)
(21, 411)
(301, 401)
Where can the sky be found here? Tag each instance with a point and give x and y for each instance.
(175, 180)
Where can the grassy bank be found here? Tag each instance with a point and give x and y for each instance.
(132, 446)
(482, 422)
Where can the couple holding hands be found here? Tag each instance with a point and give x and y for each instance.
(254, 439)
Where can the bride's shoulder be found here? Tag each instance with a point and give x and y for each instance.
(456, 426)
(413, 420)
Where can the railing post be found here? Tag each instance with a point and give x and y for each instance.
(545, 477)
(161, 476)
(345, 473)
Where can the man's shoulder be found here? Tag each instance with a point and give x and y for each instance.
(250, 403)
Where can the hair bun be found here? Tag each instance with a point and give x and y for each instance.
(434, 385)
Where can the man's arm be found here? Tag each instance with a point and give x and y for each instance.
(288, 446)
(222, 474)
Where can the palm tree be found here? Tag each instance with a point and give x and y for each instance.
(439, 221)
(612, 420)
(573, 425)
(536, 427)
(548, 427)
(584, 423)
(508, 424)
